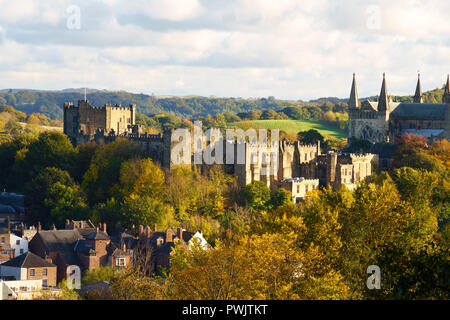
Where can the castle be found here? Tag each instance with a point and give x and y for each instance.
(384, 120)
(300, 168)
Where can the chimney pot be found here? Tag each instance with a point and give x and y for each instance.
(180, 233)
(104, 227)
(155, 227)
(169, 236)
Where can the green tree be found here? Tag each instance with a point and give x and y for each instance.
(49, 150)
(257, 195)
(310, 137)
(52, 197)
(101, 180)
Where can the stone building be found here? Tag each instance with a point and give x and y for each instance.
(299, 187)
(384, 120)
(29, 266)
(285, 160)
(81, 122)
(79, 244)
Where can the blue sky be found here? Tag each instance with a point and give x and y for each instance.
(289, 49)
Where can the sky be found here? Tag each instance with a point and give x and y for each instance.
(289, 49)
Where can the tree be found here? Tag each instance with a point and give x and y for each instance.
(101, 180)
(52, 197)
(414, 152)
(257, 195)
(49, 150)
(8, 152)
(310, 137)
(257, 267)
(281, 197)
(141, 177)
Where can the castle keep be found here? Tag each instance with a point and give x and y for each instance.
(82, 122)
(383, 120)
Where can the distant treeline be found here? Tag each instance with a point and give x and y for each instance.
(50, 104)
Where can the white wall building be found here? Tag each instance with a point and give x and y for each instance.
(20, 289)
(19, 244)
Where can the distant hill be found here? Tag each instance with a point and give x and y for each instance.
(50, 102)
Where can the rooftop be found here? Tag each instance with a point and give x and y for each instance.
(28, 260)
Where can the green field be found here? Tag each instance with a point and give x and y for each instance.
(292, 126)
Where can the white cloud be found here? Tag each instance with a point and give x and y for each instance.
(297, 49)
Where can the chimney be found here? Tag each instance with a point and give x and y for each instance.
(148, 232)
(54, 227)
(124, 247)
(48, 258)
(155, 227)
(169, 236)
(39, 228)
(98, 229)
(141, 230)
(104, 227)
(180, 233)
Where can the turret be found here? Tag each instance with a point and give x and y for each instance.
(446, 96)
(383, 102)
(418, 96)
(353, 102)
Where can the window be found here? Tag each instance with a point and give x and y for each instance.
(120, 262)
(32, 272)
(3, 239)
(44, 282)
(44, 272)
(21, 251)
(18, 242)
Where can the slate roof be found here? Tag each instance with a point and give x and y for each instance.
(97, 236)
(82, 246)
(60, 240)
(12, 199)
(86, 231)
(432, 111)
(70, 258)
(155, 235)
(6, 209)
(28, 260)
(427, 133)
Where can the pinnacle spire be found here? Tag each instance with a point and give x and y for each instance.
(383, 102)
(353, 102)
(446, 97)
(418, 96)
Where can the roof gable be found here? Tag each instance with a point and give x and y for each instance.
(28, 260)
(60, 240)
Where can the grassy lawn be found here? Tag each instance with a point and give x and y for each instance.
(292, 126)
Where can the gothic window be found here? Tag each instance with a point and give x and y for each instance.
(367, 133)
